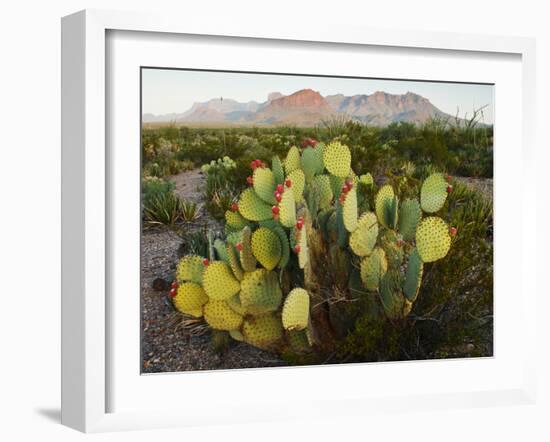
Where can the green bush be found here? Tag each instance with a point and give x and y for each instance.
(461, 148)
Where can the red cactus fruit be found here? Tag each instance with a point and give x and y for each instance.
(275, 210)
(173, 293)
(249, 180)
(239, 247)
(278, 197)
(205, 261)
(253, 164)
(174, 285)
(300, 224)
(288, 183)
(234, 207)
(449, 188)
(453, 231)
(297, 248)
(280, 188)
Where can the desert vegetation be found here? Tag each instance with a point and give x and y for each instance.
(342, 242)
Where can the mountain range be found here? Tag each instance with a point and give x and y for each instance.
(306, 107)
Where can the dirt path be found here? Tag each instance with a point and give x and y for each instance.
(168, 345)
(189, 185)
(483, 185)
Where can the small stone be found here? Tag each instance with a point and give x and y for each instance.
(160, 284)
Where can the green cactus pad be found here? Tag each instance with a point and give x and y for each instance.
(260, 292)
(234, 261)
(235, 304)
(190, 268)
(296, 310)
(190, 298)
(349, 211)
(237, 335)
(292, 161)
(266, 247)
(337, 159)
(384, 204)
(393, 301)
(220, 316)
(363, 238)
(409, 217)
(278, 171)
(413, 277)
(235, 220)
(221, 251)
(298, 341)
(432, 239)
(433, 193)
(311, 163)
(322, 184)
(287, 208)
(252, 207)
(342, 234)
(285, 248)
(336, 184)
(298, 180)
(393, 212)
(248, 261)
(391, 243)
(373, 268)
(322, 219)
(218, 281)
(264, 332)
(366, 179)
(234, 237)
(320, 151)
(264, 184)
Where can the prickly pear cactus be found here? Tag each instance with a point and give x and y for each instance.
(305, 241)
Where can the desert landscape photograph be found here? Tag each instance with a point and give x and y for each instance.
(292, 220)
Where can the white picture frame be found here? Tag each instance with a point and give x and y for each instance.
(85, 233)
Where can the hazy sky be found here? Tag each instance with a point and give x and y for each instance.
(166, 91)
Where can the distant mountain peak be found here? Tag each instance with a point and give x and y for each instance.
(274, 95)
(307, 107)
(301, 99)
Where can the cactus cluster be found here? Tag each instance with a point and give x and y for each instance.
(302, 239)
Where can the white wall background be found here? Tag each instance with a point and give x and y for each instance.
(30, 214)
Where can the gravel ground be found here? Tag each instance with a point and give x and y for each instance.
(484, 185)
(171, 342)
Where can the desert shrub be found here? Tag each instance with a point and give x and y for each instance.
(162, 208)
(460, 147)
(194, 242)
(189, 211)
(152, 186)
(221, 185)
(453, 315)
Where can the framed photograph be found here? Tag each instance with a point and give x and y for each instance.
(273, 210)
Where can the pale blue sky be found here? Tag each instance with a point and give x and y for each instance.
(166, 91)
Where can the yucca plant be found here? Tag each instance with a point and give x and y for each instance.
(307, 239)
(163, 208)
(189, 210)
